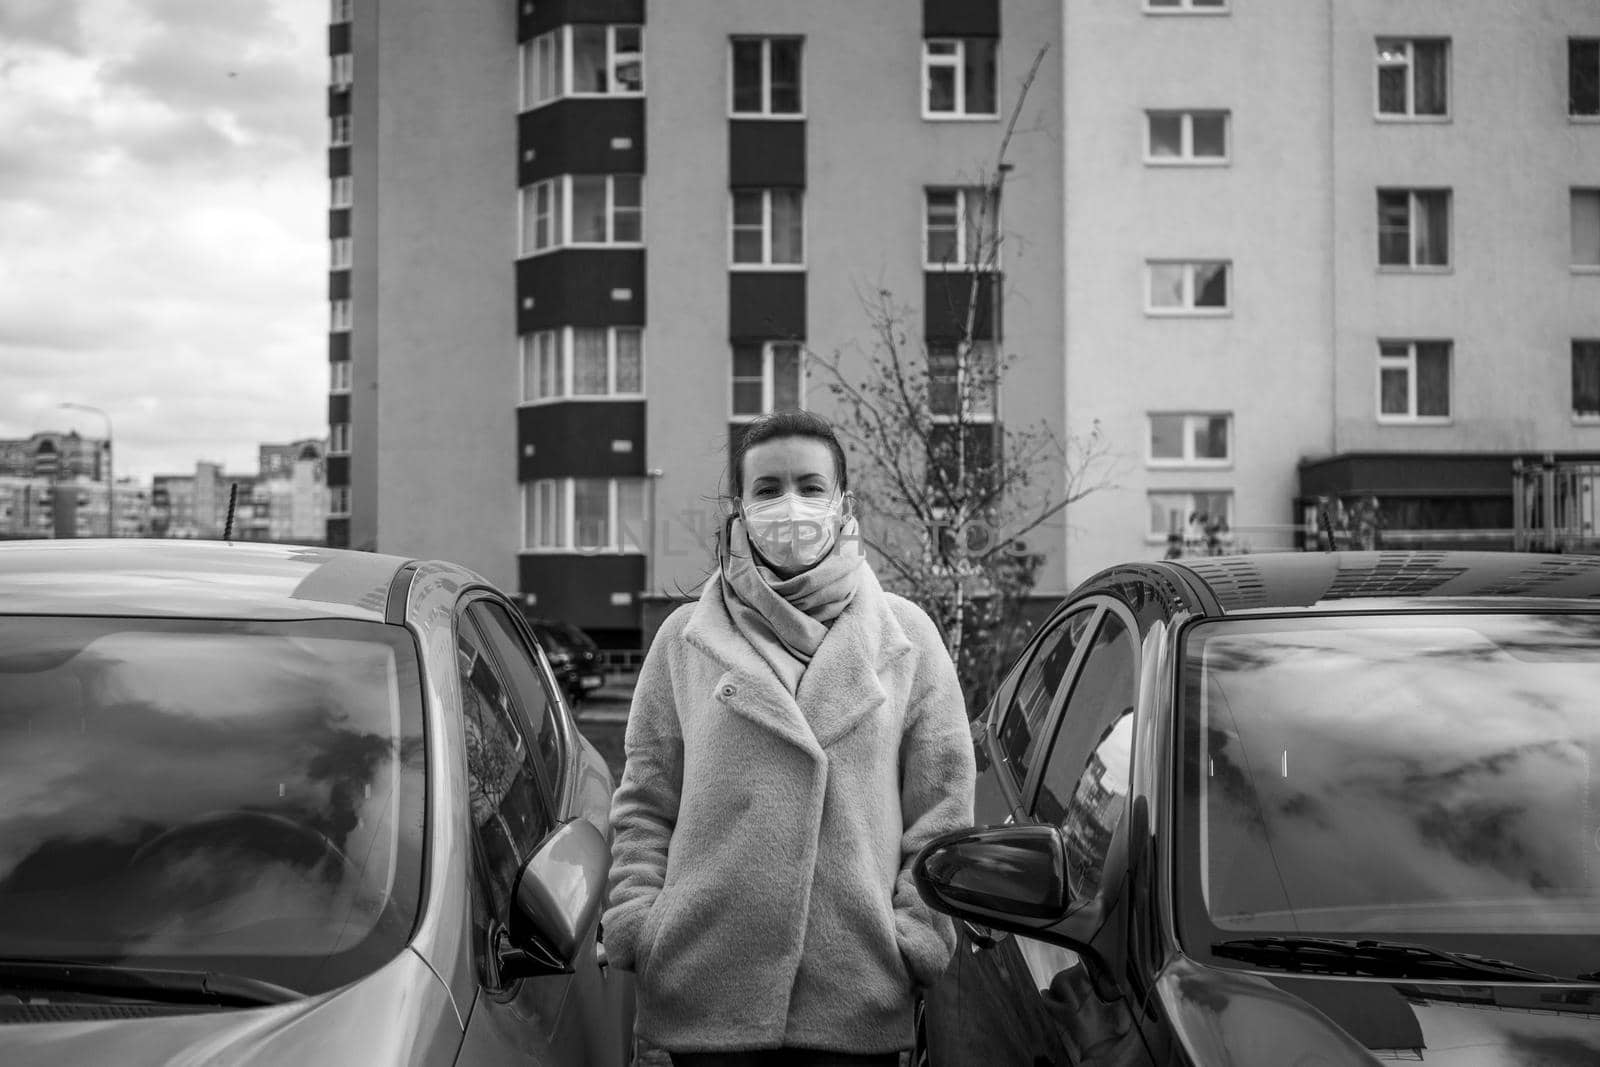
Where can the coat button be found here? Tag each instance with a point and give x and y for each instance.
(728, 690)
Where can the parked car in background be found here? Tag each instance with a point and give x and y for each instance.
(1282, 809)
(573, 655)
(279, 805)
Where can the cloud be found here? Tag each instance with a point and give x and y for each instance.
(52, 23)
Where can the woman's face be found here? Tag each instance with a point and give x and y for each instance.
(800, 465)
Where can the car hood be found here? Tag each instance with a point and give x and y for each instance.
(399, 1014)
(1231, 1018)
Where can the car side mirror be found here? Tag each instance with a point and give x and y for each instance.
(1009, 877)
(556, 902)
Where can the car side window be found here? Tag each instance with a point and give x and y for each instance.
(506, 798)
(529, 691)
(1024, 719)
(1084, 788)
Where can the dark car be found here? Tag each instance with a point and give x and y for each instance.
(1286, 809)
(278, 805)
(573, 656)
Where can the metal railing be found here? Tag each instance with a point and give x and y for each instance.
(1555, 506)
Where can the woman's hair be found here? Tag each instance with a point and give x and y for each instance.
(778, 424)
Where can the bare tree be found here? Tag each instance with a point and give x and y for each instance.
(948, 493)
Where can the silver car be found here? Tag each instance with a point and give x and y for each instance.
(279, 805)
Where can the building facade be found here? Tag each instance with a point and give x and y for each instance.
(285, 500)
(1276, 252)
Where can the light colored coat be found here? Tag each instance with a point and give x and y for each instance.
(760, 883)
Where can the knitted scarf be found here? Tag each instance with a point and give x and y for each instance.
(785, 619)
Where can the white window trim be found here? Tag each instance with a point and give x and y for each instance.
(1571, 116)
(339, 376)
(1154, 538)
(342, 253)
(342, 70)
(528, 194)
(336, 447)
(768, 381)
(335, 492)
(958, 61)
(1186, 7)
(766, 263)
(341, 131)
(1409, 362)
(1413, 211)
(342, 191)
(565, 348)
(564, 91)
(971, 418)
(340, 11)
(568, 488)
(1188, 310)
(1409, 63)
(1584, 418)
(1186, 156)
(340, 316)
(766, 111)
(1573, 193)
(1188, 461)
(960, 264)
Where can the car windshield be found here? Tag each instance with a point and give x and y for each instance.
(240, 797)
(1428, 779)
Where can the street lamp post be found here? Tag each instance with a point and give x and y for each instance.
(111, 481)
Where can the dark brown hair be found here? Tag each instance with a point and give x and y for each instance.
(778, 424)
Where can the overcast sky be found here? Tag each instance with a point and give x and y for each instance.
(163, 224)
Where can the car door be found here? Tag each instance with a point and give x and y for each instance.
(515, 762)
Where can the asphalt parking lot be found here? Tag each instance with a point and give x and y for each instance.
(603, 718)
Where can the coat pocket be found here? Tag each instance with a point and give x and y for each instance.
(650, 931)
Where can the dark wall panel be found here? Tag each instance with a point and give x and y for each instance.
(338, 162)
(338, 285)
(960, 18)
(580, 137)
(764, 152)
(548, 14)
(339, 35)
(339, 223)
(580, 588)
(338, 346)
(946, 296)
(766, 306)
(581, 439)
(338, 470)
(581, 287)
(338, 102)
(339, 407)
(338, 533)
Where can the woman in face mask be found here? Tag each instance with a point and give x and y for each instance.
(796, 735)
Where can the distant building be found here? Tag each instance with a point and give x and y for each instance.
(285, 500)
(54, 455)
(70, 507)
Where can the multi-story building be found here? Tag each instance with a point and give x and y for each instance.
(285, 500)
(55, 455)
(1275, 251)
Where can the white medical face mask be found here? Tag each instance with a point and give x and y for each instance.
(792, 530)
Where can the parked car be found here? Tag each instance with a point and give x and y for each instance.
(1286, 809)
(279, 805)
(573, 655)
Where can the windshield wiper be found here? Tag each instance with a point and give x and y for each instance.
(1384, 959)
(143, 983)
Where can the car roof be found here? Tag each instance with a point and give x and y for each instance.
(1356, 581)
(196, 579)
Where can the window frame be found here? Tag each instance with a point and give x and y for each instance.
(339, 438)
(530, 76)
(1589, 347)
(560, 188)
(1408, 362)
(565, 349)
(1186, 156)
(341, 315)
(1188, 309)
(766, 263)
(342, 191)
(341, 253)
(1188, 461)
(1573, 43)
(962, 263)
(766, 111)
(565, 487)
(1187, 7)
(341, 71)
(958, 62)
(768, 378)
(339, 376)
(972, 416)
(1162, 537)
(1409, 63)
(1415, 210)
(340, 11)
(341, 131)
(1575, 193)
(338, 501)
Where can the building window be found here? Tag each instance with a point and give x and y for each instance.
(1190, 439)
(1186, 137)
(340, 130)
(961, 229)
(1586, 380)
(767, 377)
(344, 70)
(765, 77)
(950, 398)
(339, 376)
(959, 78)
(1583, 77)
(768, 228)
(1413, 78)
(341, 11)
(343, 191)
(340, 314)
(338, 438)
(584, 515)
(339, 500)
(343, 251)
(1187, 287)
(1413, 381)
(582, 60)
(584, 210)
(1413, 228)
(1586, 229)
(583, 361)
(1189, 515)
(1176, 6)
